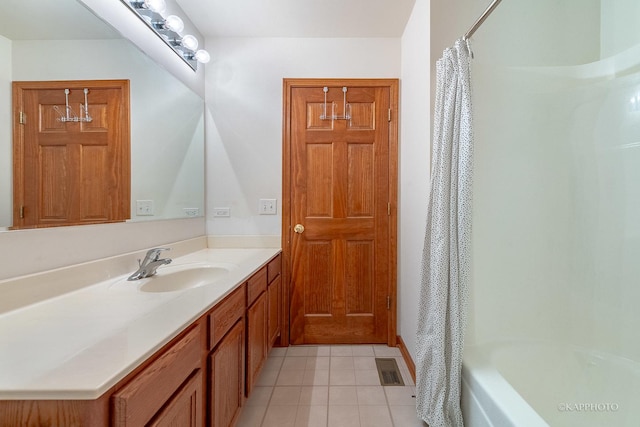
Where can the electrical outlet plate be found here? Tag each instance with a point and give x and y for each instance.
(267, 207)
(221, 212)
(191, 212)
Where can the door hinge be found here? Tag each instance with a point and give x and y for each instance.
(388, 302)
(21, 211)
(388, 209)
(389, 114)
(22, 118)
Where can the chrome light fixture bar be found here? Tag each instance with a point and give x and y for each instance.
(169, 29)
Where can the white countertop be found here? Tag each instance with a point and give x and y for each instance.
(80, 344)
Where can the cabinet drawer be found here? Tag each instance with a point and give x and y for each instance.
(256, 285)
(225, 315)
(273, 268)
(142, 397)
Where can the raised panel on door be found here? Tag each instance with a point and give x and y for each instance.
(340, 193)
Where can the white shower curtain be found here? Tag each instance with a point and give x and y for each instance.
(447, 246)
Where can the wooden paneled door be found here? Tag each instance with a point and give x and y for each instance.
(339, 210)
(73, 172)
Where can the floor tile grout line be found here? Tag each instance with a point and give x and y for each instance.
(264, 415)
(386, 399)
(328, 389)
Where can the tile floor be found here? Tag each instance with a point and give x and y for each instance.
(329, 386)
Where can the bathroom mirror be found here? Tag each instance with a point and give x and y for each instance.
(62, 40)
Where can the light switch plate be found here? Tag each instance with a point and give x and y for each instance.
(267, 206)
(144, 207)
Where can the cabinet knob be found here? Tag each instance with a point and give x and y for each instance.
(299, 228)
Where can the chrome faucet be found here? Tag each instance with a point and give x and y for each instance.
(150, 264)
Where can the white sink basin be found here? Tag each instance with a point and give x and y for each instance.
(187, 278)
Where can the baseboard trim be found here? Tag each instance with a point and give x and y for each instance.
(407, 358)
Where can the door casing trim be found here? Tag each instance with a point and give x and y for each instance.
(286, 229)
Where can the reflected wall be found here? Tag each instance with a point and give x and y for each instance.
(167, 118)
(32, 251)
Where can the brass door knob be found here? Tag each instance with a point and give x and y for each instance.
(299, 228)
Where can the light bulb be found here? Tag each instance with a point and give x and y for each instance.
(202, 56)
(157, 6)
(174, 23)
(190, 42)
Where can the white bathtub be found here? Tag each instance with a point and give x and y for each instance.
(541, 384)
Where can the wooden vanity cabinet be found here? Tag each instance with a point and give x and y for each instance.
(174, 389)
(168, 389)
(264, 302)
(185, 407)
(199, 378)
(257, 310)
(226, 360)
(274, 297)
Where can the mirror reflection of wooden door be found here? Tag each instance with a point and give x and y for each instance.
(74, 172)
(341, 225)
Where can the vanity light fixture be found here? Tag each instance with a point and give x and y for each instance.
(157, 6)
(202, 56)
(190, 42)
(171, 23)
(169, 29)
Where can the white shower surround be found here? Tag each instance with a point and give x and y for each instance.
(556, 236)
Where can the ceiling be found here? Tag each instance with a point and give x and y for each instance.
(45, 19)
(69, 19)
(299, 18)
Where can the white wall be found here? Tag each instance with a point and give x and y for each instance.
(6, 153)
(415, 155)
(244, 121)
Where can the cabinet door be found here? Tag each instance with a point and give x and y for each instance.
(185, 408)
(256, 339)
(274, 295)
(227, 377)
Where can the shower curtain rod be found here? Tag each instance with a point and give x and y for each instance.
(481, 20)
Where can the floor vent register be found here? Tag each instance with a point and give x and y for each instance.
(389, 372)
